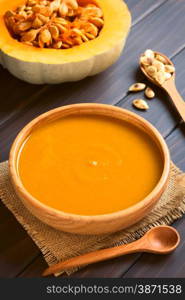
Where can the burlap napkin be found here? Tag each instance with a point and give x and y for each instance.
(56, 245)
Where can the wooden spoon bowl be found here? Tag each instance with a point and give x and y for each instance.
(163, 239)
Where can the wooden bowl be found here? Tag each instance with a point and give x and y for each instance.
(98, 224)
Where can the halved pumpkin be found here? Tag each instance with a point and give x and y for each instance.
(42, 65)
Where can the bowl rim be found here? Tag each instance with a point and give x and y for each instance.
(16, 181)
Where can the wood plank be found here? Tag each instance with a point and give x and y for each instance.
(17, 250)
(15, 96)
(35, 269)
(113, 268)
(140, 9)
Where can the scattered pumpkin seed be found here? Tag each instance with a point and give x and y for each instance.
(149, 93)
(137, 87)
(140, 104)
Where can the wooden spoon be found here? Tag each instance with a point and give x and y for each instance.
(170, 87)
(159, 240)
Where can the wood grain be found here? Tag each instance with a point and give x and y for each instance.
(16, 248)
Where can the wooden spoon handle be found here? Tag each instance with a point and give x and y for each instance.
(176, 98)
(95, 256)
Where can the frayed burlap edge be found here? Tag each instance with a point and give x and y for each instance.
(60, 246)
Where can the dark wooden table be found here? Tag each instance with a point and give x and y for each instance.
(155, 24)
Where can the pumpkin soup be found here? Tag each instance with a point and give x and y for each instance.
(89, 164)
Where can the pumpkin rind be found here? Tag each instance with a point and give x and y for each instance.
(41, 66)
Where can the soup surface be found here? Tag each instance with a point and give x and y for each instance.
(89, 164)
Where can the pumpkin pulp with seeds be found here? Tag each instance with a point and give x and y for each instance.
(89, 164)
(58, 24)
(66, 40)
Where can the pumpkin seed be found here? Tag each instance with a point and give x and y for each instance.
(71, 3)
(57, 45)
(149, 93)
(169, 69)
(63, 10)
(146, 61)
(90, 28)
(44, 19)
(78, 40)
(24, 26)
(65, 46)
(37, 23)
(61, 28)
(43, 10)
(136, 87)
(30, 36)
(54, 32)
(149, 53)
(98, 22)
(159, 65)
(94, 11)
(151, 70)
(167, 75)
(40, 42)
(85, 38)
(90, 36)
(140, 104)
(60, 21)
(55, 5)
(160, 77)
(45, 36)
(161, 59)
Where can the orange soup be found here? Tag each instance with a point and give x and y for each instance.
(89, 164)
